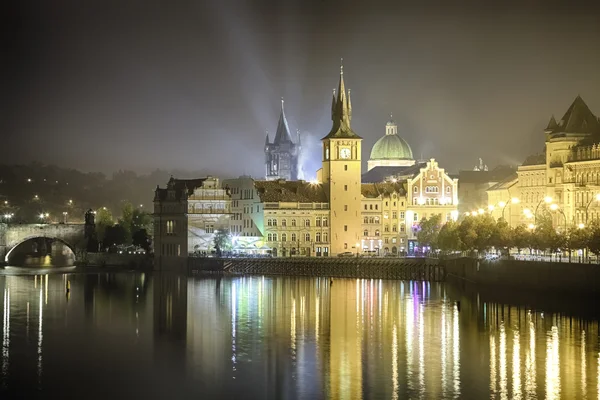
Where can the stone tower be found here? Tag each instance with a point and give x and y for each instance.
(281, 156)
(171, 227)
(342, 173)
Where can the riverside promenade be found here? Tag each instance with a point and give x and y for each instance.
(422, 269)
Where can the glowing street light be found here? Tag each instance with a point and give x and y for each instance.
(481, 211)
(29, 180)
(581, 226)
(502, 204)
(70, 202)
(548, 199)
(491, 207)
(554, 206)
(515, 200)
(467, 213)
(36, 197)
(597, 198)
(531, 226)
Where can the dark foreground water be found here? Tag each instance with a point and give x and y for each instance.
(134, 335)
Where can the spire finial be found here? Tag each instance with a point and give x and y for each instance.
(391, 116)
(281, 101)
(342, 66)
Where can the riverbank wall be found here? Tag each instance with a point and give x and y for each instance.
(133, 261)
(525, 275)
(368, 268)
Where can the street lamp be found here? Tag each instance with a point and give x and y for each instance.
(555, 207)
(65, 216)
(581, 226)
(546, 200)
(597, 198)
(531, 226)
(8, 216)
(480, 211)
(357, 246)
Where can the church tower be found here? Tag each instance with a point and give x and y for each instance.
(342, 173)
(281, 156)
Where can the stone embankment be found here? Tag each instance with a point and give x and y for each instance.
(369, 268)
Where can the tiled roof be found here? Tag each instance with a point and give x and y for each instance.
(578, 119)
(497, 174)
(291, 191)
(536, 159)
(373, 190)
(505, 183)
(380, 174)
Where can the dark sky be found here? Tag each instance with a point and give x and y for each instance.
(103, 85)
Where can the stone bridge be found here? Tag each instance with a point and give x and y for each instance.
(12, 235)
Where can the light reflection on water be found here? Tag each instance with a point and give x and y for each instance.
(260, 337)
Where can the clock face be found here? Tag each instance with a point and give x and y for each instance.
(345, 153)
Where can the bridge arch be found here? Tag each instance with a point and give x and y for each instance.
(32, 237)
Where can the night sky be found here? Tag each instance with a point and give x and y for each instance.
(195, 84)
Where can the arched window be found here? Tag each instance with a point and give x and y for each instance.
(387, 228)
(283, 237)
(294, 222)
(377, 232)
(394, 228)
(365, 233)
(284, 222)
(318, 221)
(274, 237)
(394, 250)
(447, 189)
(293, 237)
(371, 220)
(307, 222)
(274, 221)
(307, 237)
(376, 220)
(318, 237)
(325, 222)
(366, 220)
(415, 189)
(269, 222)
(269, 237)
(325, 238)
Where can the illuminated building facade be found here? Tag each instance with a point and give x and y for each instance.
(281, 155)
(564, 182)
(209, 210)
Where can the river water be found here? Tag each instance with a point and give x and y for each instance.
(136, 335)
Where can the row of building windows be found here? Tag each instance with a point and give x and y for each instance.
(272, 237)
(431, 189)
(319, 221)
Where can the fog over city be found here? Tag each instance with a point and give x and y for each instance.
(101, 86)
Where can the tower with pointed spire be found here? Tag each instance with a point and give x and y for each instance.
(341, 172)
(281, 155)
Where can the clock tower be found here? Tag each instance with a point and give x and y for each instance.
(342, 172)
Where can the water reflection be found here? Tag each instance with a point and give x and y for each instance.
(258, 337)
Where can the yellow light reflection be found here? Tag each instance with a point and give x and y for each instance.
(421, 334)
(503, 379)
(444, 349)
(493, 371)
(552, 365)
(6, 333)
(530, 370)
(409, 341)
(516, 366)
(395, 363)
(456, 353)
(293, 329)
(583, 366)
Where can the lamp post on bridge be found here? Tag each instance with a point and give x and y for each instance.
(555, 207)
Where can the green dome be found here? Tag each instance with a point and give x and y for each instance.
(391, 147)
